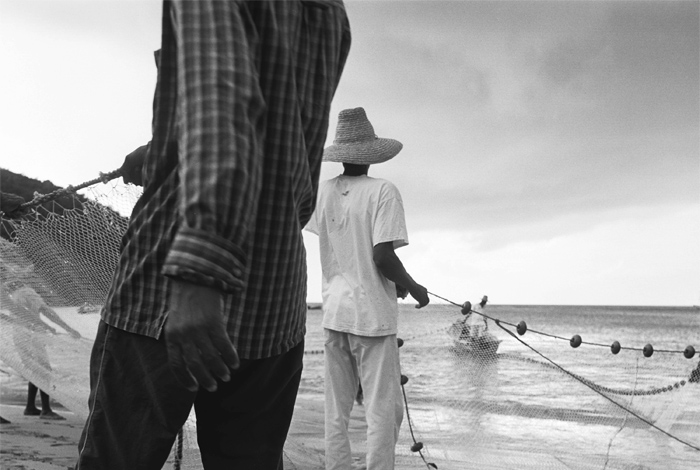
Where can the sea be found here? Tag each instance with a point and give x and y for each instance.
(537, 403)
(539, 398)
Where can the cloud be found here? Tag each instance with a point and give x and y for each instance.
(530, 128)
(629, 259)
(77, 88)
(515, 113)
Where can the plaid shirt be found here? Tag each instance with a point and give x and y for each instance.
(231, 175)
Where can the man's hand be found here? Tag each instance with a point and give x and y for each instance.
(199, 349)
(401, 292)
(420, 293)
(132, 166)
(390, 266)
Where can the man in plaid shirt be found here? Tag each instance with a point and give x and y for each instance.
(208, 303)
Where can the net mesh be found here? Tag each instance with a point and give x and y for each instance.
(59, 263)
(538, 402)
(479, 394)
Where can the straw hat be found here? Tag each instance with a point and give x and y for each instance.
(355, 141)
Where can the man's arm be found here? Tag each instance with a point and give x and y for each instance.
(391, 267)
(220, 107)
(219, 170)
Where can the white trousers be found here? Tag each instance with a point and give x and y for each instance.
(373, 362)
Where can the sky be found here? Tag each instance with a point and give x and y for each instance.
(551, 148)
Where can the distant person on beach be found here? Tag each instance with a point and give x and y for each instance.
(27, 306)
(208, 303)
(360, 222)
(46, 412)
(33, 306)
(9, 206)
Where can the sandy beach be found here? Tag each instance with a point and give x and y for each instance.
(32, 443)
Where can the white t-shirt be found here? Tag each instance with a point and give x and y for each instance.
(353, 214)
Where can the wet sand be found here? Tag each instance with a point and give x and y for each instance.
(33, 443)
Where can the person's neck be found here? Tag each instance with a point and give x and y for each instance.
(355, 170)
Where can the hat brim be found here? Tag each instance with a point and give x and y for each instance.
(363, 153)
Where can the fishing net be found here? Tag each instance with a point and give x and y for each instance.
(59, 262)
(544, 400)
(482, 391)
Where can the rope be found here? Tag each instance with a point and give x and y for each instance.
(42, 198)
(178, 449)
(417, 446)
(614, 391)
(596, 390)
(541, 333)
(653, 391)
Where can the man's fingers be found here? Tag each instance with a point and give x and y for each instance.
(422, 303)
(211, 367)
(179, 368)
(208, 360)
(201, 374)
(133, 163)
(132, 176)
(421, 295)
(227, 352)
(202, 362)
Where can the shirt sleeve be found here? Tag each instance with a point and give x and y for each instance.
(390, 220)
(312, 224)
(219, 112)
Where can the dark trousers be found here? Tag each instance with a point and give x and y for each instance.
(137, 407)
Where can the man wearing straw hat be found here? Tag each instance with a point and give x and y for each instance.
(360, 222)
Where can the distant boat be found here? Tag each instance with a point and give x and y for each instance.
(468, 339)
(471, 335)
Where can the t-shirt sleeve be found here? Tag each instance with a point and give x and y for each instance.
(390, 221)
(312, 224)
